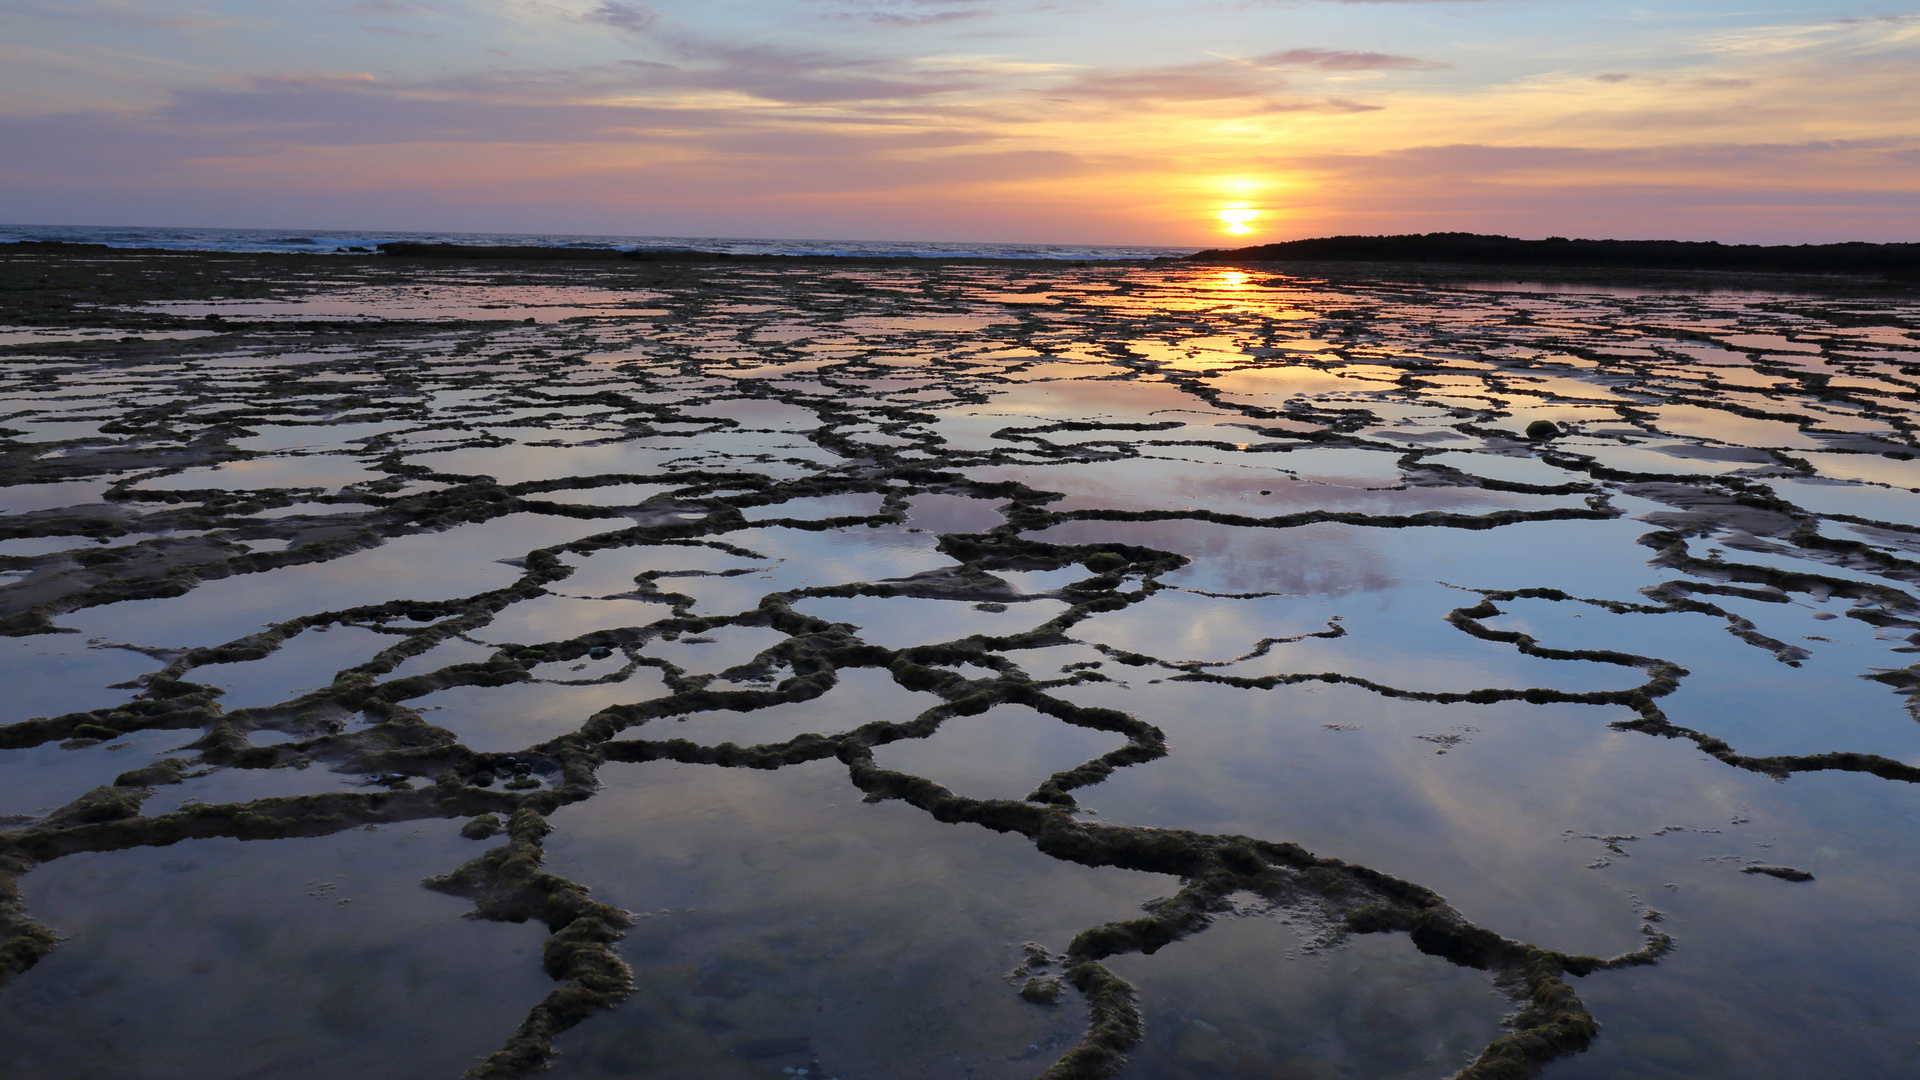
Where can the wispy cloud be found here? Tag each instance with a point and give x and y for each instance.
(389, 9)
(1344, 60)
(395, 31)
(1254, 78)
(906, 13)
(626, 18)
(184, 16)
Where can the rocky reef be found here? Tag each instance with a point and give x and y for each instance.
(300, 549)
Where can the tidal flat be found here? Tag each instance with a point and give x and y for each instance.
(908, 669)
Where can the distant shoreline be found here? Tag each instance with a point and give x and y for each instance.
(407, 250)
(1453, 258)
(445, 253)
(1342, 255)
(333, 242)
(1891, 261)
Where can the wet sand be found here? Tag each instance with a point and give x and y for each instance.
(953, 669)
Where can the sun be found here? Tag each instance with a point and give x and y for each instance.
(1237, 217)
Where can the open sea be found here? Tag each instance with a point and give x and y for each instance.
(328, 241)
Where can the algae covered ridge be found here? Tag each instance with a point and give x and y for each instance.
(947, 669)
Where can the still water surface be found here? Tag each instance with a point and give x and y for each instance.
(1296, 526)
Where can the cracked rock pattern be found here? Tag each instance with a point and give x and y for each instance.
(951, 670)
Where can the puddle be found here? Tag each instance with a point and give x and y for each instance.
(810, 559)
(859, 696)
(304, 663)
(52, 674)
(952, 514)
(321, 471)
(1873, 503)
(609, 495)
(303, 957)
(445, 654)
(783, 912)
(1240, 999)
(902, 622)
(25, 498)
(1249, 490)
(313, 509)
(420, 567)
(246, 785)
(43, 778)
(519, 464)
(819, 507)
(519, 716)
(558, 618)
(614, 571)
(1003, 753)
(283, 437)
(713, 651)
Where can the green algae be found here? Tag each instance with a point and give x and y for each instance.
(507, 885)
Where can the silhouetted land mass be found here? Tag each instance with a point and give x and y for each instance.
(1882, 260)
(1855, 260)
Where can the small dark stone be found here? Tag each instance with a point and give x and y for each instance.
(1784, 873)
(1543, 429)
(1105, 562)
(599, 652)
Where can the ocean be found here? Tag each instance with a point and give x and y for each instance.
(329, 241)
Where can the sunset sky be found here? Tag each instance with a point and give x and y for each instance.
(1096, 121)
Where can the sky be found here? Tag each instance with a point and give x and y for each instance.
(1206, 123)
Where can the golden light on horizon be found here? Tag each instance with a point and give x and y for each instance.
(1236, 219)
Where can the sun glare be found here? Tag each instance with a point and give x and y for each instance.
(1237, 217)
